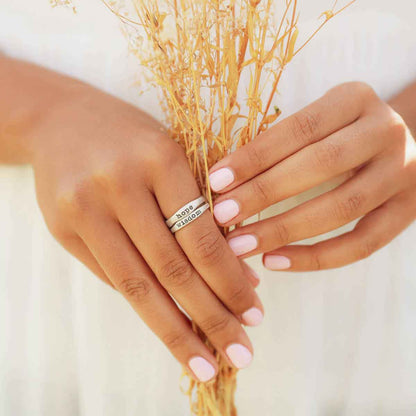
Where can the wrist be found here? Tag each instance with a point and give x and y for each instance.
(56, 114)
(29, 95)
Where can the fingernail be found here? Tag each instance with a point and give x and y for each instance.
(220, 179)
(239, 355)
(253, 317)
(254, 273)
(202, 369)
(226, 211)
(277, 262)
(243, 244)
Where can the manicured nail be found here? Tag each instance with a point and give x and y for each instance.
(243, 244)
(202, 369)
(253, 317)
(225, 211)
(254, 273)
(220, 179)
(239, 355)
(277, 262)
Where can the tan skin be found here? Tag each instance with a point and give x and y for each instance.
(349, 131)
(101, 178)
(101, 167)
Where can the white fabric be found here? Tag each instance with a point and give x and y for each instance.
(333, 343)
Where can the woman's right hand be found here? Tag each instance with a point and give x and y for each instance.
(107, 175)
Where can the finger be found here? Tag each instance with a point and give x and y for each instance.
(205, 246)
(367, 190)
(313, 165)
(372, 233)
(134, 280)
(172, 268)
(252, 275)
(80, 251)
(338, 108)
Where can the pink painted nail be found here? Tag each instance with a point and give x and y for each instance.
(225, 211)
(243, 244)
(239, 355)
(202, 369)
(220, 179)
(273, 262)
(253, 317)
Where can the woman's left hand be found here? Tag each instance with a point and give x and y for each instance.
(347, 131)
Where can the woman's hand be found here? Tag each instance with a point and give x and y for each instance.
(347, 131)
(107, 176)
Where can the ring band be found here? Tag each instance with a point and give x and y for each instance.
(194, 215)
(185, 211)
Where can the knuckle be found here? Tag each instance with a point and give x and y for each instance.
(396, 126)
(305, 126)
(165, 154)
(175, 339)
(215, 324)
(256, 157)
(239, 295)
(118, 177)
(350, 208)
(280, 233)
(135, 289)
(261, 189)
(113, 178)
(362, 89)
(75, 199)
(328, 155)
(103, 177)
(366, 249)
(209, 248)
(342, 88)
(176, 272)
(316, 260)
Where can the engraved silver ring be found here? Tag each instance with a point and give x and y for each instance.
(185, 211)
(187, 214)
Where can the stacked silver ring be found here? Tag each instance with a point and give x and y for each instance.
(187, 214)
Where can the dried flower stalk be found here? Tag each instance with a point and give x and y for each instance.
(217, 65)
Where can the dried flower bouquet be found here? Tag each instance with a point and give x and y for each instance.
(217, 65)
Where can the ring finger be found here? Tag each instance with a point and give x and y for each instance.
(178, 277)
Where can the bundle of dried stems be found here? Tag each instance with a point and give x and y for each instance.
(217, 64)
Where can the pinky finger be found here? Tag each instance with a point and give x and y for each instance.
(371, 233)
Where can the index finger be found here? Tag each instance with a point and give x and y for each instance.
(338, 108)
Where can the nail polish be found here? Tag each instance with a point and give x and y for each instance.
(275, 262)
(203, 370)
(220, 179)
(252, 317)
(243, 244)
(225, 211)
(239, 355)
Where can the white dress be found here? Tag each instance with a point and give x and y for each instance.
(334, 343)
